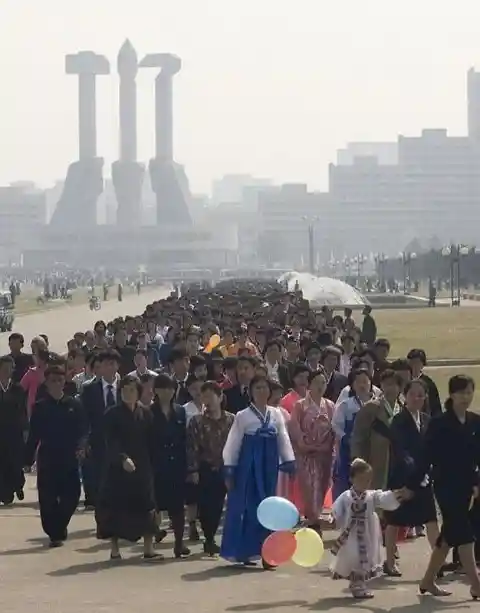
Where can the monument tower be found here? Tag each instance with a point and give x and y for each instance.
(77, 207)
(127, 173)
(169, 181)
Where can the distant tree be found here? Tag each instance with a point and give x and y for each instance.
(434, 243)
(414, 246)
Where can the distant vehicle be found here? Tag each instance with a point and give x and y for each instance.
(7, 311)
(94, 303)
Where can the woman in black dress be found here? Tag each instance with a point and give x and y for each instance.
(170, 458)
(453, 453)
(126, 505)
(408, 470)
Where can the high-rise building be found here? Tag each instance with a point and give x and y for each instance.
(387, 194)
(23, 213)
(284, 218)
(473, 101)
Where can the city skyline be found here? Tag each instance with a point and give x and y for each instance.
(275, 107)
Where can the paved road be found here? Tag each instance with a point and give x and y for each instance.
(60, 324)
(78, 578)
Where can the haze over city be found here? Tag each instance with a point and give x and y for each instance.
(271, 88)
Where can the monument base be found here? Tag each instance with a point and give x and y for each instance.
(170, 185)
(77, 206)
(127, 180)
(158, 248)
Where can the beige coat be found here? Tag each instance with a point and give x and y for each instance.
(368, 444)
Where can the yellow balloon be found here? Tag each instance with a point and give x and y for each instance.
(310, 548)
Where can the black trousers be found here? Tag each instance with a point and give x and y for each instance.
(91, 473)
(211, 498)
(58, 496)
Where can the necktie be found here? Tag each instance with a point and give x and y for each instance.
(110, 397)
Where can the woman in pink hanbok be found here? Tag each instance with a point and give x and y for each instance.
(289, 487)
(313, 440)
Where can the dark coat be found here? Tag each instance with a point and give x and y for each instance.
(169, 457)
(23, 362)
(285, 376)
(335, 385)
(57, 430)
(407, 466)
(93, 402)
(407, 469)
(126, 506)
(13, 425)
(433, 405)
(236, 400)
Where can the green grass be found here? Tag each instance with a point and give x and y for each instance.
(442, 375)
(441, 332)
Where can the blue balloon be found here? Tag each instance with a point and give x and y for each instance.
(276, 513)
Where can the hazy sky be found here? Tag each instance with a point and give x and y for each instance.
(268, 87)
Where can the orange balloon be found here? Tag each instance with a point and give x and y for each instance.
(279, 548)
(214, 341)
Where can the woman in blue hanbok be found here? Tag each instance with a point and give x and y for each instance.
(258, 446)
(342, 423)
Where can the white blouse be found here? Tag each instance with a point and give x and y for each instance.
(249, 421)
(344, 411)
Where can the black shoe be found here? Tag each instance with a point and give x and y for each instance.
(193, 532)
(181, 551)
(20, 495)
(153, 557)
(54, 543)
(88, 506)
(450, 567)
(267, 566)
(160, 535)
(211, 548)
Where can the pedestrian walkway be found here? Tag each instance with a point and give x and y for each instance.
(77, 578)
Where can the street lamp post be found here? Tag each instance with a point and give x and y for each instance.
(407, 259)
(455, 253)
(311, 242)
(311, 248)
(359, 260)
(381, 261)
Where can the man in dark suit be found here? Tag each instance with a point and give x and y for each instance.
(330, 361)
(179, 366)
(126, 352)
(22, 361)
(238, 396)
(97, 397)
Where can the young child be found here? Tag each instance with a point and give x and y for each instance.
(358, 550)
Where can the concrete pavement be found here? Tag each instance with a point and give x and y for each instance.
(60, 324)
(79, 578)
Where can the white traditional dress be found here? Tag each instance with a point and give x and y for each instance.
(358, 550)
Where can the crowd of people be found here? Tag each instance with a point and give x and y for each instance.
(223, 397)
